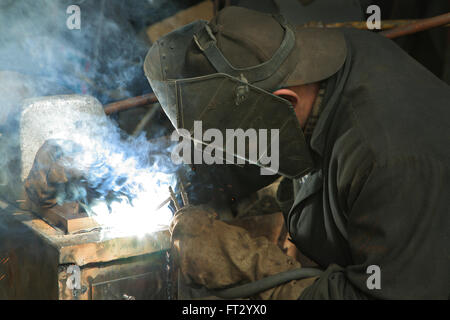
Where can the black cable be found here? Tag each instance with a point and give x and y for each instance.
(252, 288)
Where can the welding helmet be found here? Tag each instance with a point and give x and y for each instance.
(223, 72)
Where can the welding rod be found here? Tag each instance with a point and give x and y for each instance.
(162, 204)
(184, 195)
(144, 121)
(130, 103)
(174, 199)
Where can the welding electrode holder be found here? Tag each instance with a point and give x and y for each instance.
(173, 198)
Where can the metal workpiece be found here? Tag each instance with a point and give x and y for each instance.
(53, 117)
(62, 252)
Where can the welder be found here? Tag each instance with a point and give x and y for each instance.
(364, 136)
(363, 148)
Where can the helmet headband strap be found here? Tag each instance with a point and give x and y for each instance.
(207, 43)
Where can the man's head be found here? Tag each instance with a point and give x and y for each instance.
(248, 38)
(224, 73)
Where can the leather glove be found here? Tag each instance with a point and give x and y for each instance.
(214, 254)
(54, 179)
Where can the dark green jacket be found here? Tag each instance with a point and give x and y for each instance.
(381, 192)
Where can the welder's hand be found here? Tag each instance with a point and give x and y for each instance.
(53, 178)
(215, 254)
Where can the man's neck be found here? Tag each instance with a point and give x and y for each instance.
(314, 114)
(307, 96)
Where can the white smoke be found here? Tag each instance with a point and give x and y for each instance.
(130, 177)
(40, 56)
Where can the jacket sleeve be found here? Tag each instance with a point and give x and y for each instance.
(399, 221)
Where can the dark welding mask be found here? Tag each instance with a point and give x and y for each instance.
(194, 81)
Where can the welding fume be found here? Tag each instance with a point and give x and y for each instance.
(221, 150)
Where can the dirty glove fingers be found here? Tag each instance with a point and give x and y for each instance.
(191, 220)
(215, 254)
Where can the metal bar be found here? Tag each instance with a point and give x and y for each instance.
(145, 120)
(420, 25)
(385, 24)
(126, 104)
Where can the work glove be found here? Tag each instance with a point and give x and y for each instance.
(214, 254)
(55, 178)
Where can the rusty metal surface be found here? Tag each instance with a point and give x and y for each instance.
(88, 248)
(130, 279)
(91, 246)
(111, 267)
(68, 217)
(31, 270)
(94, 246)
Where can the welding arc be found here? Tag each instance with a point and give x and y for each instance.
(255, 287)
(184, 195)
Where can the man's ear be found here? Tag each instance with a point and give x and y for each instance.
(289, 95)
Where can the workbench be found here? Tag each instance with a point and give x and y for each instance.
(39, 257)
